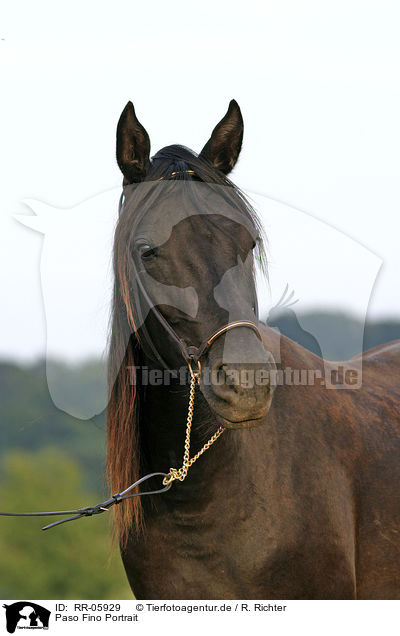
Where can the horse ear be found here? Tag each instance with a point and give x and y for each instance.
(133, 146)
(223, 147)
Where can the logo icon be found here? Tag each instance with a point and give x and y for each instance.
(26, 615)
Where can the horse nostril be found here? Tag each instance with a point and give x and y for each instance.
(223, 375)
(225, 381)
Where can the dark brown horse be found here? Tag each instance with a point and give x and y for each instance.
(299, 498)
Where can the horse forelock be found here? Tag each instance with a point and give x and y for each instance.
(179, 161)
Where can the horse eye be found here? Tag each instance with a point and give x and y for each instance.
(146, 252)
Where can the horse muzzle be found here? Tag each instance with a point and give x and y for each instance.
(240, 393)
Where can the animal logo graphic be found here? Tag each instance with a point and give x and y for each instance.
(76, 282)
(26, 615)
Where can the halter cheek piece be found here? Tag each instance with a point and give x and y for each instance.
(192, 355)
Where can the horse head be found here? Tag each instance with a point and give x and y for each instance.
(185, 250)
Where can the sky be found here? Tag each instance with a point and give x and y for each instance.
(319, 89)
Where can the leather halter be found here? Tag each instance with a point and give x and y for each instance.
(191, 354)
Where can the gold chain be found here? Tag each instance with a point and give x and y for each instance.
(188, 461)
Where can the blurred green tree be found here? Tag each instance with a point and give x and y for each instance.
(69, 562)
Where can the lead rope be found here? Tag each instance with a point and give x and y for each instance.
(173, 474)
(180, 473)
